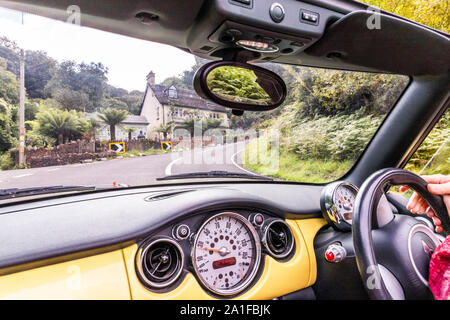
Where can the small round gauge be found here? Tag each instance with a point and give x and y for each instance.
(337, 202)
(226, 253)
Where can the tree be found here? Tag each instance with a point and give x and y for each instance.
(93, 127)
(324, 92)
(188, 75)
(9, 85)
(237, 84)
(88, 80)
(8, 128)
(71, 99)
(92, 80)
(190, 124)
(432, 13)
(164, 129)
(39, 69)
(61, 125)
(114, 92)
(211, 124)
(112, 118)
(129, 130)
(9, 51)
(133, 101)
(113, 103)
(176, 81)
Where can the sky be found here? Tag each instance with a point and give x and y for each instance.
(128, 60)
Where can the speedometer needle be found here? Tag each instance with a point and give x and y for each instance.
(207, 249)
(222, 251)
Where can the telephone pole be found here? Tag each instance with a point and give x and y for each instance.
(22, 110)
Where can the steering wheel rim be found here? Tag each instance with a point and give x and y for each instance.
(364, 220)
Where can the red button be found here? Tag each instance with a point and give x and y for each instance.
(329, 256)
(258, 219)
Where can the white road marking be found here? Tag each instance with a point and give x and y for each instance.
(23, 175)
(168, 171)
(238, 166)
(54, 169)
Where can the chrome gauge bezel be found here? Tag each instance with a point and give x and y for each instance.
(291, 245)
(140, 260)
(238, 289)
(329, 210)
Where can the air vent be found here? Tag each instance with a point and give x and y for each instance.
(147, 17)
(206, 48)
(278, 239)
(164, 195)
(160, 263)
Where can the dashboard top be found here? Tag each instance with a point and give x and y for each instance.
(38, 230)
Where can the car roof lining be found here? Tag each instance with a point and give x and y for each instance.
(418, 50)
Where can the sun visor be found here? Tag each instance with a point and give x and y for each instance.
(384, 43)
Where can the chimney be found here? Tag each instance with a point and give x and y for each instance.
(151, 78)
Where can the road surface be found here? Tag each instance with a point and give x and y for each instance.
(129, 171)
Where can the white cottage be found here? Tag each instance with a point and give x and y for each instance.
(138, 123)
(163, 105)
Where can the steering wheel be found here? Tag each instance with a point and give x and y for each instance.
(393, 251)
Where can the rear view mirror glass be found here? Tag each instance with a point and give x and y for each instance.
(240, 86)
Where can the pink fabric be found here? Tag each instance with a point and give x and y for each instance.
(439, 279)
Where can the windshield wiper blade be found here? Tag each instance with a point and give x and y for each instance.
(25, 192)
(214, 174)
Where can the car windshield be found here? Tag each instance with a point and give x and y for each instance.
(101, 110)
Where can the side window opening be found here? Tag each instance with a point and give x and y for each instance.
(433, 155)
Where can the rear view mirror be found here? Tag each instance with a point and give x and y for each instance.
(240, 86)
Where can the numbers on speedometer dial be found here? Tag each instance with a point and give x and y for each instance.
(226, 253)
(344, 199)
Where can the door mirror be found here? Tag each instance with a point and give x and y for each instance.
(240, 86)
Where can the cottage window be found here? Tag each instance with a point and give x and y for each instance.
(172, 92)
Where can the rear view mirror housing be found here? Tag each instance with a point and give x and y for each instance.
(240, 86)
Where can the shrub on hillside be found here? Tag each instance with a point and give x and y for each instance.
(340, 138)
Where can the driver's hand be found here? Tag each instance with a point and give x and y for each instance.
(438, 184)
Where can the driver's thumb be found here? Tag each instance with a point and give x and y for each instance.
(441, 189)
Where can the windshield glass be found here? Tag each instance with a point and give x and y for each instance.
(103, 110)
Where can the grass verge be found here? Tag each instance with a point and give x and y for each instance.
(291, 168)
(140, 153)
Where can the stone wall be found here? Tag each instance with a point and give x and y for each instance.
(141, 144)
(72, 152)
(83, 151)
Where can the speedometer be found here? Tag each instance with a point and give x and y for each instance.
(226, 253)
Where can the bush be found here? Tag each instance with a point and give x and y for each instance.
(8, 127)
(337, 138)
(6, 161)
(437, 140)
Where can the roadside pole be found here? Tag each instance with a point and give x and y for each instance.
(22, 110)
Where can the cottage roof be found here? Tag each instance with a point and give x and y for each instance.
(131, 119)
(184, 98)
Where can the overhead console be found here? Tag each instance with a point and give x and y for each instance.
(295, 32)
(269, 28)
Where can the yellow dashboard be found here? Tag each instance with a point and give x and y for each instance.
(113, 275)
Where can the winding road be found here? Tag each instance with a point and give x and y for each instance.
(129, 171)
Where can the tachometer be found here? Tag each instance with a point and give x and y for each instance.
(226, 253)
(337, 204)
